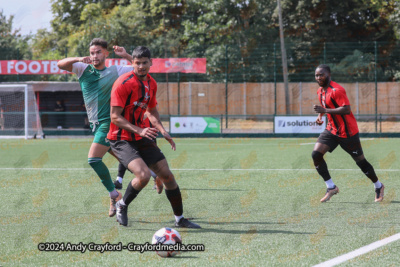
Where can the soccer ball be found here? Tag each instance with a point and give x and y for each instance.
(166, 236)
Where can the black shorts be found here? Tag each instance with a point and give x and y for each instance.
(351, 145)
(146, 149)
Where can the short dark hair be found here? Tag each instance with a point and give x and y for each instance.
(141, 51)
(99, 41)
(325, 67)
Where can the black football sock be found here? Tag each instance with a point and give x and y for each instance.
(320, 165)
(121, 170)
(130, 194)
(368, 170)
(175, 198)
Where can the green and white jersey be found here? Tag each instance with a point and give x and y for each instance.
(96, 87)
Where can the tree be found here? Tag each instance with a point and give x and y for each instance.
(356, 67)
(344, 21)
(240, 28)
(236, 36)
(312, 25)
(12, 44)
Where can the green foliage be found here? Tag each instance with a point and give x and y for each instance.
(12, 44)
(358, 66)
(311, 24)
(344, 21)
(316, 31)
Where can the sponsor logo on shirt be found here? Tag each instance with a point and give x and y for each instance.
(140, 105)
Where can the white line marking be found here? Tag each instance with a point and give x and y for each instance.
(362, 139)
(87, 169)
(358, 252)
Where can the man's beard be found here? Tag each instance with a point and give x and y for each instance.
(99, 62)
(325, 83)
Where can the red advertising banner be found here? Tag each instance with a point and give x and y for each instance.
(183, 65)
(160, 65)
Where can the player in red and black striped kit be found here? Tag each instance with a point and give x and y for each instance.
(132, 141)
(341, 130)
(158, 185)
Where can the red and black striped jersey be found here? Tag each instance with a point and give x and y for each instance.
(134, 96)
(335, 96)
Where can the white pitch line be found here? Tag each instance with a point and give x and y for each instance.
(89, 169)
(358, 252)
(362, 139)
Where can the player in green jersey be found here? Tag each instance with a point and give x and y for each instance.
(96, 81)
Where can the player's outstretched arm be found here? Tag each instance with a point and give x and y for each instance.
(154, 117)
(66, 63)
(121, 122)
(120, 51)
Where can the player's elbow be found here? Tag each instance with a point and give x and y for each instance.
(346, 110)
(114, 119)
(62, 65)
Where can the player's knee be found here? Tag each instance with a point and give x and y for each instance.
(143, 182)
(144, 175)
(94, 161)
(317, 156)
(168, 180)
(364, 165)
(140, 182)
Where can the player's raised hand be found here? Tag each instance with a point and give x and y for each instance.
(119, 50)
(319, 109)
(86, 60)
(169, 139)
(149, 133)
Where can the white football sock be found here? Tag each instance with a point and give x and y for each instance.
(330, 184)
(178, 218)
(378, 184)
(119, 179)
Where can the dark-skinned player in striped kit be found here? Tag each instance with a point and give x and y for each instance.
(341, 130)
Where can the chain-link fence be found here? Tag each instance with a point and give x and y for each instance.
(350, 62)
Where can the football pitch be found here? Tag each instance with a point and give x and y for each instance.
(257, 201)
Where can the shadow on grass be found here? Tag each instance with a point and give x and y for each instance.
(350, 202)
(212, 189)
(185, 257)
(241, 232)
(225, 231)
(210, 222)
(231, 232)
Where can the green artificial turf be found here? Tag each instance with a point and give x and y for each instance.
(257, 201)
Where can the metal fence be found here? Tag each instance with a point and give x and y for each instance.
(350, 62)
